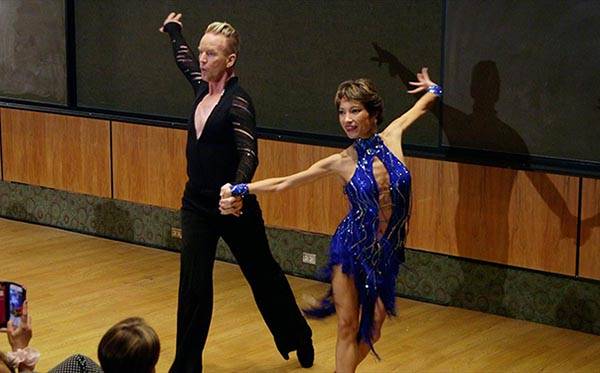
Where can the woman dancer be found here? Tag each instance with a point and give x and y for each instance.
(367, 247)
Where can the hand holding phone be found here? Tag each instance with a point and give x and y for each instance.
(19, 336)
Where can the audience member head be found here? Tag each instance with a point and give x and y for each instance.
(130, 345)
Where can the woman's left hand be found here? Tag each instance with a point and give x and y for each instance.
(19, 336)
(423, 81)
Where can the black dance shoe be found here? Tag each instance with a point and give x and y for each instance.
(306, 354)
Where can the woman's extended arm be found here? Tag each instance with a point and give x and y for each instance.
(420, 107)
(324, 167)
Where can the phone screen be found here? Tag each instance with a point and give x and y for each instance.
(16, 298)
(12, 297)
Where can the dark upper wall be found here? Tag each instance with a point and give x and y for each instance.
(293, 56)
(32, 51)
(524, 76)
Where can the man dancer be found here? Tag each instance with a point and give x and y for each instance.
(221, 148)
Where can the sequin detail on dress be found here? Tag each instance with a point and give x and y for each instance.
(373, 263)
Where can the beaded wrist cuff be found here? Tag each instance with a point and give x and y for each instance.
(435, 89)
(239, 190)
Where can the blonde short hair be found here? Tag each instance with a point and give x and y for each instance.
(225, 29)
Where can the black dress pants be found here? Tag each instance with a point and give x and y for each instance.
(246, 238)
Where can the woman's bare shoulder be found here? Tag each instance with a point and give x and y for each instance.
(346, 163)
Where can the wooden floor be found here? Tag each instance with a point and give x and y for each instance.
(78, 286)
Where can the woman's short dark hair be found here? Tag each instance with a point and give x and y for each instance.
(363, 91)
(130, 345)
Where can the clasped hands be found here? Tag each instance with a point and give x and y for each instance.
(230, 205)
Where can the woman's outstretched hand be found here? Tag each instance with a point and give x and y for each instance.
(423, 82)
(172, 17)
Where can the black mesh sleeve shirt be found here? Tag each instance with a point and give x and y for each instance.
(226, 151)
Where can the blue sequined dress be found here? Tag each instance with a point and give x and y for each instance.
(373, 262)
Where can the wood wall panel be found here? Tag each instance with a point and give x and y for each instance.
(148, 164)
(56, 151)
(316, 207)
(525, 219)
(520, 218)
(589, 255)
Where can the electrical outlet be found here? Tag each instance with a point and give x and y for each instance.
(176, 232)
(309, 258)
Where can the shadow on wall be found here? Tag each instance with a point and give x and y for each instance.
(482, 224)
(110, 220)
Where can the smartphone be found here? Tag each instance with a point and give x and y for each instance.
(12, 297)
